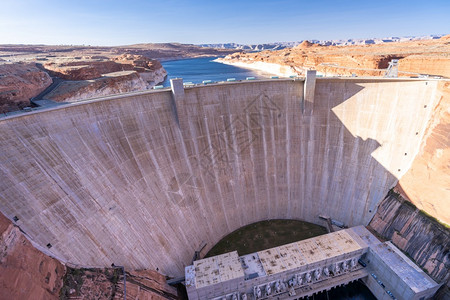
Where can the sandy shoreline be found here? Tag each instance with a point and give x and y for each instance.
(275, 69)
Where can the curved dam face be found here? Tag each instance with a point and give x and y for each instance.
(143, 180)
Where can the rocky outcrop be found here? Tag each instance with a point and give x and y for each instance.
(108, 84)
(138, 61)
(155, 77)
(74, 72)
(87, 69)
(106, 284)
(89, 283)
(426, 184)
(18, 83)
(150, 70)
(426, 64)
(425, 240)
(145, 285)
(90, 79)
(25, 272)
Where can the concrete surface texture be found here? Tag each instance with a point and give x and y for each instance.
(142, 180)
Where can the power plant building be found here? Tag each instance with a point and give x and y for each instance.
(307, 267)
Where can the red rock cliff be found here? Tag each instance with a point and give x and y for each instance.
(18, 83)
(427, 182)
(25, 272)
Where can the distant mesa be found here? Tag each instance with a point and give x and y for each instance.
(305, 44)
(346, 42)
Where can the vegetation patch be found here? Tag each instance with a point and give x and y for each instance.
(89, 283)
(433, 219)
(394, 194)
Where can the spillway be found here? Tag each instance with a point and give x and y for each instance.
(142, 180)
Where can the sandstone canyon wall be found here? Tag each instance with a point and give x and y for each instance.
(91, 79)
(108, 84)
(427, 182)
(415, 57)
(20, 82)
(425, 240)
(25, 272)
(108, 284)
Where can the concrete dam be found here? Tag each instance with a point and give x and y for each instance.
(142, 180)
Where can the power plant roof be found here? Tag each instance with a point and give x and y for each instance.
(228, 266)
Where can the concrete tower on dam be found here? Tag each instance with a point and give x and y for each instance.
(142, 180)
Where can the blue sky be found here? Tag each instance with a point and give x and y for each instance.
(111, 22)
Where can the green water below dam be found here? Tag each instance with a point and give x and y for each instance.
(266, 234)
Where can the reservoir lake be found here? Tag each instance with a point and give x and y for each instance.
(196, 70)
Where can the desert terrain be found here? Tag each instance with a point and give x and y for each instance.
(430, 57)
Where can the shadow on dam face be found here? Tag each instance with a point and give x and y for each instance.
(121, 181)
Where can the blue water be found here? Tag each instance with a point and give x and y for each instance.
(196, 70)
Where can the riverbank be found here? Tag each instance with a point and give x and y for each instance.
(272, 68)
